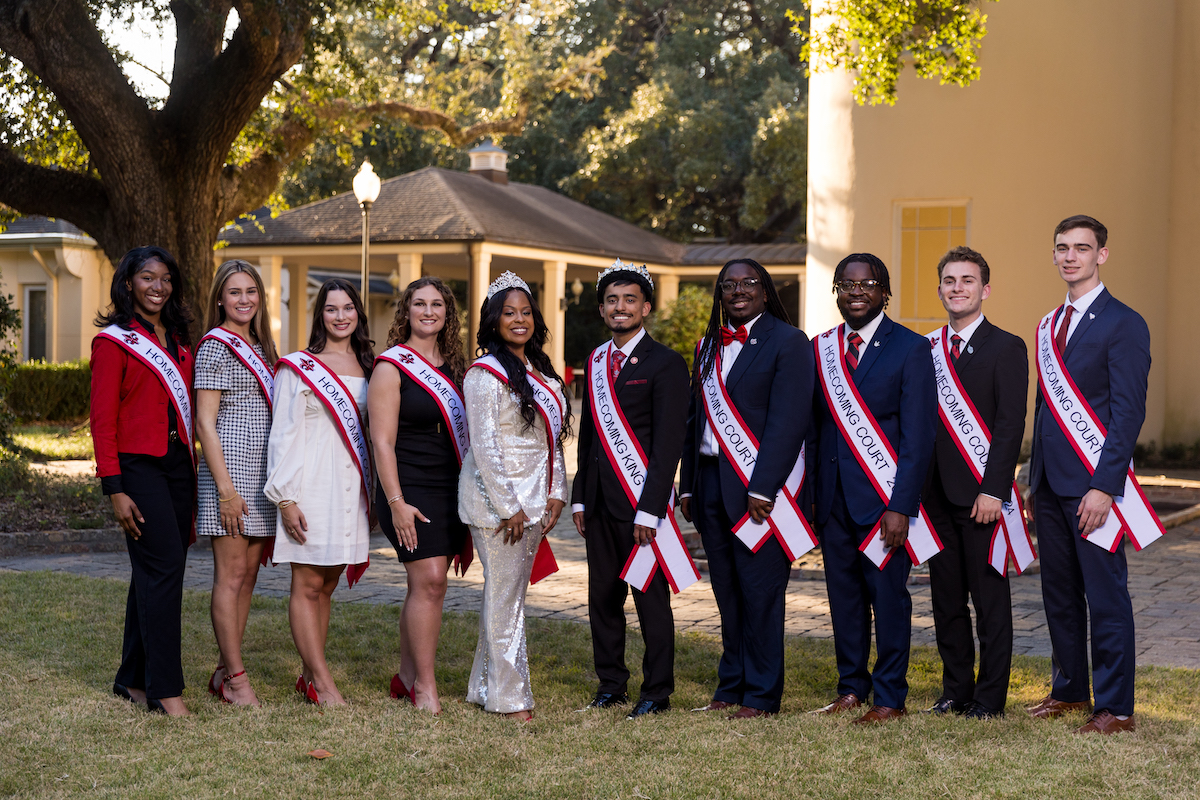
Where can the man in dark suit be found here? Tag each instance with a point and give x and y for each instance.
(767, 369)
(1105, 347)
(651, 388)
(992, 367)
(892, 370)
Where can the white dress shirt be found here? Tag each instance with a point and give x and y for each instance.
(966, 333)
(867, 332)
(1081, 306)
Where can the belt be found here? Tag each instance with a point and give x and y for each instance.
(173, 436)
(709, 461)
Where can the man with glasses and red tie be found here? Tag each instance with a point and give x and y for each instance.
(1093, 359)
(876, 415)
(753, 376)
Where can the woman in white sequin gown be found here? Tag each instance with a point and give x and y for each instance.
(512, 489)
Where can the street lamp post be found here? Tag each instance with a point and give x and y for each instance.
(366, 190)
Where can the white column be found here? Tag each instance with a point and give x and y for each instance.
(297, 307)
(666, 290)
(478, 278)
(554, 309)
(408, 269)
(271, 270)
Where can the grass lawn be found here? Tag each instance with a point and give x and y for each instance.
(64, 734)
(54, 442)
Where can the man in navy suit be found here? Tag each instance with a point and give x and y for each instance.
(767, 367)
(1105, 348)
(893, 372)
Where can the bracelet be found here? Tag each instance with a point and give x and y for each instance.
(226, 499)
(397, 497)
(282, 504)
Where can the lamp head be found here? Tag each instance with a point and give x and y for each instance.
(366, 184)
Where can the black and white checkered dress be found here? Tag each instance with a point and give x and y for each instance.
(243, 425)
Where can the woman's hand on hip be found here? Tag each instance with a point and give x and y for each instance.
(294, 523)
(127, 514)
(513, 528)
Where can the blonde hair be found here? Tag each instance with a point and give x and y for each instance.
(260, 326)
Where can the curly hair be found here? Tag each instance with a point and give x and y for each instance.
(449, 338)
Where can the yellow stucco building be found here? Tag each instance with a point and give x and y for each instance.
(1084, 106)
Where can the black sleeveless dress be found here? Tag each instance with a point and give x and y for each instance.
(428, 470)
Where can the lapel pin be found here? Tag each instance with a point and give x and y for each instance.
(754, 341)
(633, 360)
(1091, 316)
(970, 349)
(877, 344)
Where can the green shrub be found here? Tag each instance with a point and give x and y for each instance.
(682, 323)
(10, 325)
(39, 391)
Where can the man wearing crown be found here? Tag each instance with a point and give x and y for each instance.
(630, 441)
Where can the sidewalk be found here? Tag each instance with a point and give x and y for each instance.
(1164, 581)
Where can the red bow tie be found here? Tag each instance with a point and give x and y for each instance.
(728, 337)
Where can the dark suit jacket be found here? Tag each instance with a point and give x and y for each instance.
(652, 394)
(895, 379)
(994, 372)
(1108, 357)
(771, 385)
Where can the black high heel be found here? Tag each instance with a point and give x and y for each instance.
(154, 706)
(123, 693)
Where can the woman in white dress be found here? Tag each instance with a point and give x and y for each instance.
(512, 488)
(314, 476)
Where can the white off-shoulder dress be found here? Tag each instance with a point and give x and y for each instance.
(308, 462)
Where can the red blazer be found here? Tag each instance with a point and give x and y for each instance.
(129, 403)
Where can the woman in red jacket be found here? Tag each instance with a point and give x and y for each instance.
(142, 432)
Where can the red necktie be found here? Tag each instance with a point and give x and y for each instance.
(955, 350)
(618, 358)
(728, 337)
(1060, 338)
(852, 352)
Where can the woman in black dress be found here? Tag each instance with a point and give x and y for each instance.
(418, 433)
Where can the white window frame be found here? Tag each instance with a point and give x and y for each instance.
(27, 290)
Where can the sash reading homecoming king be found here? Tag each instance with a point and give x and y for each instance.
(872, 449)
(630, 463)
(338, 400)
(245, 353)
(1132, 514)
(147, 350)
(740, 447)
(551, 411)
(443, 391)
(1010, 539)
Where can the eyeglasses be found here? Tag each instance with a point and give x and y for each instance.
(729, 287)
(846, 287)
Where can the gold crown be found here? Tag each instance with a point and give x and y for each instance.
(620, 266)
(507, 280)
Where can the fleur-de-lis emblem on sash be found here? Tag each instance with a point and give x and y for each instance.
(236, 343)
(599, 357)
(306, 364)
(131, 338)
(933, 343)
(406, 358)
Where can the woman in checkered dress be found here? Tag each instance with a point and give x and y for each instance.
(233, 421)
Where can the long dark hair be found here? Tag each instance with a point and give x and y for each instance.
(449, 338)
(175, 314)
(364, 348)
(706, 355)
(492, 343)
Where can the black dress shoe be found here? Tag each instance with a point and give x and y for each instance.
(645, 707)
(608, 700)
(155, 706)
(123, 693)
(945, 705)
(980, 711)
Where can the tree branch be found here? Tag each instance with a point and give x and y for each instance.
(35, 190)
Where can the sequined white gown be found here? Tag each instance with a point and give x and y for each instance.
(505, 471)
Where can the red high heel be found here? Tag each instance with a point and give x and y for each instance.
(225, 680)
(301, 686)
(401, 692)
(311, 695)
(213, 687)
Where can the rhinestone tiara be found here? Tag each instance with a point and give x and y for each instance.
(620, 266)
(507, 280)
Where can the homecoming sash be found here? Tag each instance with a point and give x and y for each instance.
(740, 447)
(874, 452)
(244, 352)
(550, 409)
(1010, 538)
(147, 350)
(630, 463)
(1131, 514)
(339, 402)
(441, 389)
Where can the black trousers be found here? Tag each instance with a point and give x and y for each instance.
(960, 571)
(1081, 584)
(750, 589)
(164, 491)
(609, 542)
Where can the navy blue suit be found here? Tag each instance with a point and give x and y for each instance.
(895, 380)
(1108, 357)
(771, 385)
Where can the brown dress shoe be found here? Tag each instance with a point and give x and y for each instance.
(746, 712)
(880, 714)
(715, 705)
(1106, 724)
(1049, 708)
(845, 702)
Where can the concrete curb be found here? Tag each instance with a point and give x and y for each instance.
(94, 540)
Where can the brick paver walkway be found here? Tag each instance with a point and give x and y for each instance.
(1164, 582)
